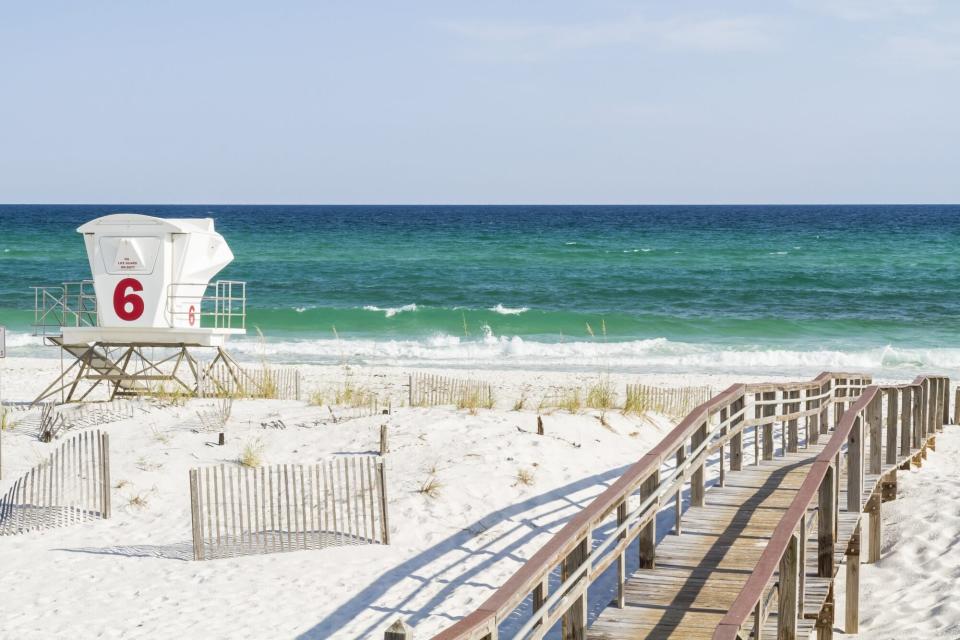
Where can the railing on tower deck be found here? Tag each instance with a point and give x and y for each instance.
(72, 304)
(218, 305)
(914, 413)
(711, 428)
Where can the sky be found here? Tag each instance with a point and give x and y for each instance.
(445, 102)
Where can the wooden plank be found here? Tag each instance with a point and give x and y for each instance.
(382, 488)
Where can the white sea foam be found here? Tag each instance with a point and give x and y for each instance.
(509, 311)
(20, 340)
(490, 351)
(391, 311)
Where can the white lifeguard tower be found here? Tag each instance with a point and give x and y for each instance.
(150, 292)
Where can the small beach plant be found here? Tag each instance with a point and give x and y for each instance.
(252, 454)
(571, 400)
(431, 487)
(524, 477)
(601, 394)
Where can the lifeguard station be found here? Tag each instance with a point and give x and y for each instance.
(139, 324)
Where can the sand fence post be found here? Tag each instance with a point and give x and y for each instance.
(384, 445)
(399, 630)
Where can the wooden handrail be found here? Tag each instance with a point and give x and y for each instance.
(721, 416)
(774, 552)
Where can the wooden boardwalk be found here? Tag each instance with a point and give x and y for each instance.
(758, 551)
(699, 574)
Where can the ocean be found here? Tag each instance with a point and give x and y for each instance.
(754, 289)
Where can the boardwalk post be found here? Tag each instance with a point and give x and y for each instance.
(813, 421)
(825, 618)
(697, 480)
(539, 596)
(825, 524)
(873, 508)
(793, 434)
(906, 422)
(943, 408)
(648, 534)
(892, 410)
(758, 620)
(622, 560)
(824, 419)
(920, 416)
(855, 465)
(801, 564)
(768, 411)
(736, 442)
(787, 612)
(839, 398)
(956, 407)
(757, 412)
(678, 497)
(723, 432)
(874, 416)
(941, 401)
(946, 403)
(574, 620)
(852, 622)
(925, 397)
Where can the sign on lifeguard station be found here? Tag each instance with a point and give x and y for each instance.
(150, 287)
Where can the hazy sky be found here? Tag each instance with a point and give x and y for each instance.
(480, 102)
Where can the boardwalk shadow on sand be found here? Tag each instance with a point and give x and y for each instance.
(541, 524)
(524, 528)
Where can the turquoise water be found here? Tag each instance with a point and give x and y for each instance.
(729, 288)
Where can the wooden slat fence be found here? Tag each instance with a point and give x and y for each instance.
(276, 383)
(669, 401)
(94, 414)
(72, 485)
(429, 391)
(369, 406)
(238, 510)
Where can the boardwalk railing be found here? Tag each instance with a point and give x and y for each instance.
(430, 391)
(886, 427)
(669, 401)
(72, 485)
(714, 430)
(241, 510)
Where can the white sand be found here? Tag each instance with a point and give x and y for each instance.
(131, 576)
(912, 592)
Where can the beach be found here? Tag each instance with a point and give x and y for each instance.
(501, 491)
(556, 326)
(447, 552)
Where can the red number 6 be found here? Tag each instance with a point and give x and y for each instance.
(121, 299)
(192, 315)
